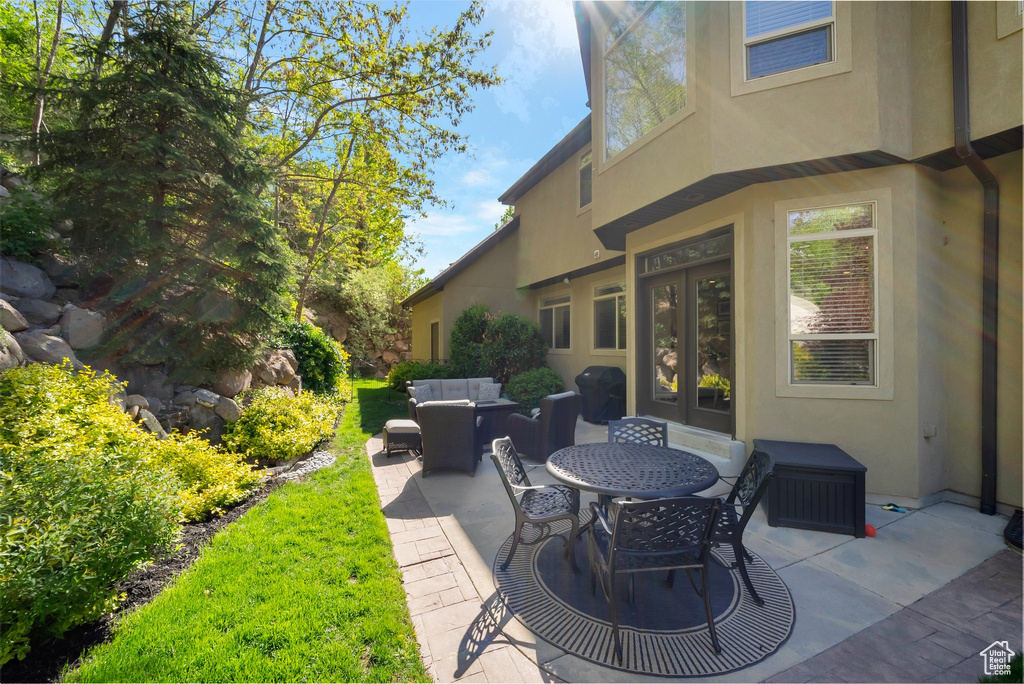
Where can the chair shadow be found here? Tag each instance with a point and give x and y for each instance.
(487, 629)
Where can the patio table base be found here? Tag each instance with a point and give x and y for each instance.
(664, 631)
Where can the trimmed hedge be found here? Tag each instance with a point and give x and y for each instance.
(274, 427)
(530, 387)
(416, 370)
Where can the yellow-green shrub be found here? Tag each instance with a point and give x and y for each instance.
(274, 427)
(210, 479)
(82, 502)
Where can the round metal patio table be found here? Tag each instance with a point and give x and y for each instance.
(632, 470)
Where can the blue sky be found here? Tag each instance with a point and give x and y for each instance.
(513, 125)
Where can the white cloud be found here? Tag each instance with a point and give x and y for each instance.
(477, 177)
(489, 211)
(542, 31)
(442, 225)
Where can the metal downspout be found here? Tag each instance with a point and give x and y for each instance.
(990, 255)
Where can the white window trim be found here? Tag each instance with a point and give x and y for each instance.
(579, 159)
(884, 370)
(598, 161)
(572, 332)
(842, 50)
(594, 349)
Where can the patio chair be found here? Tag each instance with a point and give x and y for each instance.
(448, 436)
(739, 506)
(633, 430)
(537, 505)
(551, 429)
(656, 535)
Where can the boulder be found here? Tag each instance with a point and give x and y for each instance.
(137, 400)
(149, 382)
(68, 295)
(152, 424)
(186, 398)
(11, 354)
(230, 383)
(4, 193)
(133, 411)
(82, 328)
(289, 356)
(119, 397)
(38, 311)
(295, 385)
(389, 356)
(24, 280)
(46, 348)
(280, 367)
(60, 270)
(10, 318)
(63, 227)
(155, 405)
(175, 419)
(261, 371)
(206, 398)
(206, 419)
(12, 182)
(228, 410)
(401, 346)
(334, 324)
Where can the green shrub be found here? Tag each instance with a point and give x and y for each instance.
(466, 343)
(512, 345)
(323, 364)
(530, 387)
(210, 479)
(274, 427)
(26, 226)
(82, 502)
(416, 370)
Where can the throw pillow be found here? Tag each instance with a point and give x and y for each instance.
(421, 394)
(489, 391)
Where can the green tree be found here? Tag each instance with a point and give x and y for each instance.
(162, 193)
(507, 216)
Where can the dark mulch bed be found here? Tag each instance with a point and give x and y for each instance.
(45, 662)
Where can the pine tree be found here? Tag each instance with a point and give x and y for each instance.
(163, 194)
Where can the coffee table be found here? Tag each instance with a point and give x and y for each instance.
(494, 413)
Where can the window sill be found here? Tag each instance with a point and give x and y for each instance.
(835, 392)
(608, 352)
(561, 352)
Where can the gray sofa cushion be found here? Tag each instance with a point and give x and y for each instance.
(435, 386)
(454, 389)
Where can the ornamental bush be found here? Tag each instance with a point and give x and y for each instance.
(416, 370)
(210, 479)
(323, 364)
(512, 345)
(82, 501)
(530, 387)
(466, 343)
(274, 427)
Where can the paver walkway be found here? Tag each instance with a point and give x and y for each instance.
(937, 639)
(459, 641)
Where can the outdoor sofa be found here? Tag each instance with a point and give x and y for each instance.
(446, 390)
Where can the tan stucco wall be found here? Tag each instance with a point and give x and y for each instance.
(955, 232)
(581, 354)
(896, 97)
(423, 314)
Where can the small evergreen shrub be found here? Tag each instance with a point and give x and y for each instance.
(82, 501)
(274, 428)
(209, 478)
(323, 364)
(466, 343)
(513, 345)
(416, 370)
(530, 387)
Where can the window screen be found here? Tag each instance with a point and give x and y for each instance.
(772, 48)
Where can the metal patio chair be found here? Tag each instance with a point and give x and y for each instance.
(633, 430)
(538, 505)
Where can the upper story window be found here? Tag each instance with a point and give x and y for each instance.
(783, 36)
(586, 172)
(833, 320)
(556, 322)
(610, 317)
(644, 71)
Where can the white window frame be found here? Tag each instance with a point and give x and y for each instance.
(553, 307)
(842, 59)
(583, 208)
(884, 352)
(602, 161)
(616, 351)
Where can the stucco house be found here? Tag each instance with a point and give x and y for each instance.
(775, 221)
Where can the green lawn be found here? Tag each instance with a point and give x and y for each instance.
(304, 587)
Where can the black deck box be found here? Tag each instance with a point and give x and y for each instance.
(816, 487)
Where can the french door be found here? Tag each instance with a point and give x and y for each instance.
(685, 330)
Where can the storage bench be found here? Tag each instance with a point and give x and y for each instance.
(816, 487)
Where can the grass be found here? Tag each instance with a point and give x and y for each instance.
(304, 587)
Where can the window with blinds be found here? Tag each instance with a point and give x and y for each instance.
(833, 326)
(782, 36)
(610, 317)
(586, 179)
(556, 322)
(644, 71)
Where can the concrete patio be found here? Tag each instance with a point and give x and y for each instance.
(447, 530)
